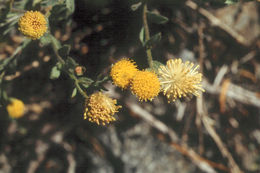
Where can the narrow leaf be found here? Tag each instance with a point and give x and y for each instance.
(35, 2)
(156, 18)
(229, 2)
(153, 41)
(85, 82)
(59, 12)
(64, 51)
(6, 61)
(142, 36)
(74, 92)
(71, 63)
(134, 7)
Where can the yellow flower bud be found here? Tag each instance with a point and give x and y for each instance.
(15, 108)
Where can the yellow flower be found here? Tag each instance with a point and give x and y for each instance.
(16, 108)
(123, 72)
(180, 79)
(145, 85)
(100, 109)
(33, 24)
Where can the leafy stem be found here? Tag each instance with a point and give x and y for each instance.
(56, 46)
(76, 82)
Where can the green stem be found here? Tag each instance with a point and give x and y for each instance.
(72, 76)
(7, 61)
(147, 36)
(76, 82)
(55, 49)
(11, 4)
(59, 57)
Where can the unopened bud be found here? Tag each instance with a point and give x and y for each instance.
(79, 70)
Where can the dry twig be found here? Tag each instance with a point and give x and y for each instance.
(235, 92)
(223, 94)
(202, 163)
(217, 22)
(208, 124)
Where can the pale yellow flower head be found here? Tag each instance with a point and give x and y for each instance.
(15, 108)
(100, 109)
(179, 79)
(145, 85)
(123, 72)
(33, 24)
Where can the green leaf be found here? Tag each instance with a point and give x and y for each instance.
(134, 7)
(64, 51)
(103, 88)
(35, 2)
(7, 30)
(70, 65)
(59, 12)
(229, 2)
(46, 39)
(55, 73)
(85, 82)
(74, 92)
(153, 40)
(8, 21)
(4, 95)
(156, 18)
(142, 36)
(59, 65)
(156, 66)
(70, 62)
(70, 5)
(21, 4)
(49, 2)
(56, 43)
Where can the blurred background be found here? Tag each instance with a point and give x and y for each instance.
(218, 132)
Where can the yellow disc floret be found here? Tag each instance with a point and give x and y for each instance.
(100, 109)
(33, 24)
(180, 79)
(15, 108)
(145, 85)
(123, 72)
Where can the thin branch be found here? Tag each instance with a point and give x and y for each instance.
(217, 22)
(147, 36)
(202, 163)
(202, 56)
(235, 92)
(208, 124)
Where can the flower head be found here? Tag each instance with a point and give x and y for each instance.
(123, 72)
(100, 109)
(179, 79)
(145, 85)
(33, 24)
(15, 108)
